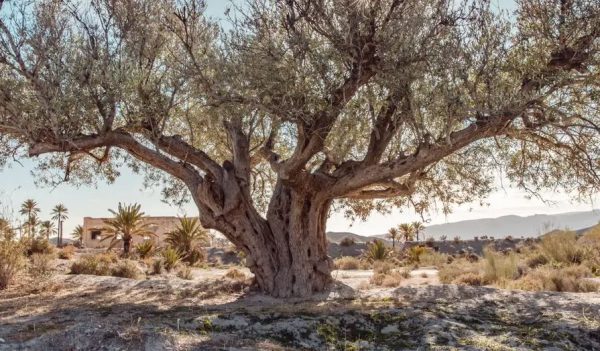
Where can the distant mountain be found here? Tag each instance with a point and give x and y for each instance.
(516, 226)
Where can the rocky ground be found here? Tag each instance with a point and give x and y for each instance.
(69, 312)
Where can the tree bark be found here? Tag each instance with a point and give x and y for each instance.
(126, 246)
(287, 251)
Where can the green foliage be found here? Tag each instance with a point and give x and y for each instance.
(12, 261)
(127, 223)
(145, 248)
(377, 251)
(170, 258)
(78, 233)
(187, 239)
(414, 253)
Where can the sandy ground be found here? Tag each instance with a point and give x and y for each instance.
(81, 312)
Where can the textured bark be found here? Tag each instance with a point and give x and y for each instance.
(287, 251)
(126, 246)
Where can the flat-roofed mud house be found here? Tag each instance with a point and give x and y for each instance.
(94, 230)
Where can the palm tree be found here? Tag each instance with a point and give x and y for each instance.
(60, 214)
(127, 223)
(407, 231)
(187, 239)
(30, 209)
(393, 234)
(47, 229)
(418, 228)
(77, 233)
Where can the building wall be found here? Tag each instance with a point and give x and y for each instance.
(95, 227)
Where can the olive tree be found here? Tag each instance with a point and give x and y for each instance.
(283, 111)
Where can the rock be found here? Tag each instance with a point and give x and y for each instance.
(389, 329)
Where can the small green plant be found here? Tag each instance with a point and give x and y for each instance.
(145, 248)
(414, 253)
(377, 251)
(12, 261)
(170, 258)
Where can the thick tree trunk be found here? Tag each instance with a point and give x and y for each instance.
(287, 251)
(126, 246)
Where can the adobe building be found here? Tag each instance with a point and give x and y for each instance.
(94, 230)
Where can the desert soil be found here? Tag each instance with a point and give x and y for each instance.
(80, 312)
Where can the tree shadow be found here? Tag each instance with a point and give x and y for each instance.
(154, 315)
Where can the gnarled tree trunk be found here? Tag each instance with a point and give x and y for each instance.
(287, 251)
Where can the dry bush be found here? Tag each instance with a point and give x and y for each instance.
(536, 259)
(40, 265)
(382, 267)
(185, 273)
(67, 252)
(235, 274)
(433, 258)
(127, 269)
(557, 279)
(157, 266)
(499, 267)
(414, 253)
(448, 273)
(99, 264)
(347, 263)
(562, 247)
(470, 278)
(387, 280)
(39, 246)
(12, 261)
(347, 241)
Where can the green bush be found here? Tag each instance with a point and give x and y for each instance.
(170, 258)
(377, 251)
(145, 248)
(12, 261)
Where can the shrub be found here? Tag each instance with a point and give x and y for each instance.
(12, 261)
(432, 258)
(185, 273)
(448, 273)
(170, 258)
(377, 251)
(470, 278)
(39, 246)
(99, 264)
(456, 239)
(536, 260)
(414, 253)
(444, 237)
(347, 241)
(347, 263)
(67, 252)
(145, 248)
(499, 267)
(127, 269)
(187, 239)
(40, 265)
(382, 267)
(157, 267)
(387, 280)
(557, 279)
(235, 274)
(562, 248)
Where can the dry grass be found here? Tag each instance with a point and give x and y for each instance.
(127, 269)
(562, 247)
(452, 271)
(433, 259)
(235, 274)
(185, 273)
(67, 252)
(387, 280)
(40, 265)
(469, 278)
(99, 264)
(557, 279)
(499, 268)
(349, 263)
(157, 266)
(12, 261)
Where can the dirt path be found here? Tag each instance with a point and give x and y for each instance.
(108, 313)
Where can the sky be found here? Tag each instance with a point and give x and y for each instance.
(17, 185)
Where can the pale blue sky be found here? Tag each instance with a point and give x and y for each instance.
(16, 185)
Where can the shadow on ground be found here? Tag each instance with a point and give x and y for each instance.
(122, 314)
